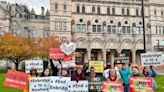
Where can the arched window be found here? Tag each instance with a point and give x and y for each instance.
(64, 8)
(137, 12)
(83, 9)
(113, 11)
(126, 29)
(98, 10)
(96, 27)
(123, 11)
(78, 9)
(108, 11)
(111, 27)
(93, 9)
(56, 7)
(81, 26)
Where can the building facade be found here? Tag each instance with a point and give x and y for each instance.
(102, 29)
(19, 20)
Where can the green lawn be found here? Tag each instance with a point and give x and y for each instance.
(159, 80)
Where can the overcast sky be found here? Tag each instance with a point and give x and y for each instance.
(36, 4)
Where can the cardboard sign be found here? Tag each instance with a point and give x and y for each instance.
(151, 59)
(141, 84)
(59, 84)
(106, 73)
(98, 66)
(16, 79)
(39, 84)
(80, 86)
(36, 64)
(113, 87)
(95, 84)
(55, 53)
(68, 48)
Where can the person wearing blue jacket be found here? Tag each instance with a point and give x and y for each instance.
(148, 71)
(125, 73)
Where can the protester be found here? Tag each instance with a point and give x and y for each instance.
(113, 76)
(148, 71)
(46, 72)
(33, 73)
(74, 70)
(64, 73)
(79, 75)
(135, 72)
(125, 74)
(86, 69)
(54, 68)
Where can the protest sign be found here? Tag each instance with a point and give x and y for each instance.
(55, 53)
(78, 86)
(68, 48)
(151, 59)
(16, 79)
(36, 64)
(106, 73)
(39, 84)
(141, 84)
(95, 84)
(112, 87)
(98, 66)
(59, 84)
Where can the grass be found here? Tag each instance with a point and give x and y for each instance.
(159, 80)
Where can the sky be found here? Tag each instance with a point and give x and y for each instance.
(36, 4)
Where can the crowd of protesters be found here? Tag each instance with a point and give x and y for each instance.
(88, 73)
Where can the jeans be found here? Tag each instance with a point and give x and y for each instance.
(126, 87)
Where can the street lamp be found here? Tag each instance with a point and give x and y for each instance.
(143, 19)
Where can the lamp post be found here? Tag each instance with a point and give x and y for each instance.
(143, 19)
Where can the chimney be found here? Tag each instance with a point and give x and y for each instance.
(42, 11)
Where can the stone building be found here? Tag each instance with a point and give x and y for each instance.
(102, 29)
(19, 20)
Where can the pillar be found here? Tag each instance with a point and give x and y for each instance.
(134, 56)
(89, 54)
(104, 55)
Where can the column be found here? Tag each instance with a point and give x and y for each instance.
(134, 56)
(89, 54)
(104, 55)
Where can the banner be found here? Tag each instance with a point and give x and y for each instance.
(16, 79)
(55, 53)
(113, 87)
(59, 84)
(98, 66)
(151, 59)
(141, 84)
(39, 84)
(78, 86)
(36, 64)
(95, 84)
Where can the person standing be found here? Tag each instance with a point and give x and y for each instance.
(125, 73)
(135, 72)
(46, 73)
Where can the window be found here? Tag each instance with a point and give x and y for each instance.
(83, 9)
(81, 28)
(137, 12)
(125, 29)
(56, 7)
(60, 26)
(123, 11)
(65, 8)
(128, 11)
(78, 9)
(159, 30)
(57, 26)
(65, 25)
(108, 11)
(93, 9)
(139, 29)
(155, 13)
(111, 29)
(98, 10)
(32, 33)
(113, 11)
(162, 13)
(96, 28)
(46, 33)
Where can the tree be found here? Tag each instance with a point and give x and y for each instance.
(45, 44)
(17, 48)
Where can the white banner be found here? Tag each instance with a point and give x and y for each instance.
(151, 58)
(40, 84)
(36, 64)
(59, 84)
(78, 86)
